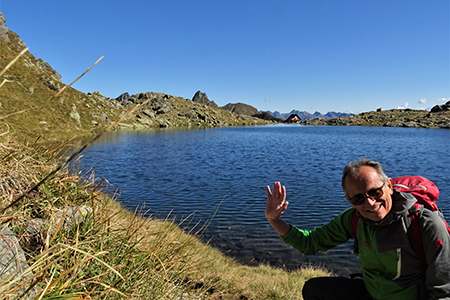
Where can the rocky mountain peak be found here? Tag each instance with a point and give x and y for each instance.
(202, 98)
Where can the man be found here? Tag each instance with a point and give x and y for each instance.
(391, 267)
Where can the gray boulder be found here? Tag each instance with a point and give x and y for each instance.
(71, 216)
(13, 266)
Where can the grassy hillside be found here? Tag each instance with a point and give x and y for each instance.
(26, 100)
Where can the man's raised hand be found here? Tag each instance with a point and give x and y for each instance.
(276, 201)
(276, 205)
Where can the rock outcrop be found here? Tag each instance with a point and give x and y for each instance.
(123, 98)
(3, 29)
(165, 110)
(202, 98)
(440, 108)
(241, 108)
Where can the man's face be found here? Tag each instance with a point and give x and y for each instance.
(373, 208)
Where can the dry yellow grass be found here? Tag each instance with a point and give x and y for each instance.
(118, 254)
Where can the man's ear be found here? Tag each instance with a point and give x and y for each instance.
(390, 185)
(350, 202)
(348, 199)
(345, 194)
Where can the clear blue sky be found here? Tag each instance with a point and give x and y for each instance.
(331, 55)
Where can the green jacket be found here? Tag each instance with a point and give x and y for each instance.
(391, 267)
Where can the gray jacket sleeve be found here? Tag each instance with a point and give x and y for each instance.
(436, 242)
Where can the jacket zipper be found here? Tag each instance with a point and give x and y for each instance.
(399, 263)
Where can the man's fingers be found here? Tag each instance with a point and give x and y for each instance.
(279, 191)
(269, 192)
(277, 188)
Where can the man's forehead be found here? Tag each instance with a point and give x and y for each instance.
(366, 174)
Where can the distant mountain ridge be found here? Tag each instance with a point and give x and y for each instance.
(245, 109)
(304, 115)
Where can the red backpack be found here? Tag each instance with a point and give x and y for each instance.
(423, 189)
(426, 194)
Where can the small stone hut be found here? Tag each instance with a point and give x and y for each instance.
(293, 119)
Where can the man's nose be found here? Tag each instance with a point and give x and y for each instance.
(370, 200)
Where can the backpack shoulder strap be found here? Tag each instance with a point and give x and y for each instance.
(414, 232)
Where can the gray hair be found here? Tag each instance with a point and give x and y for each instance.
(352, 170)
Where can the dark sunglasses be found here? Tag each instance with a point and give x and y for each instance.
(373, 193)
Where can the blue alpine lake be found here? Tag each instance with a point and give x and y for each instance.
(216, 178)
